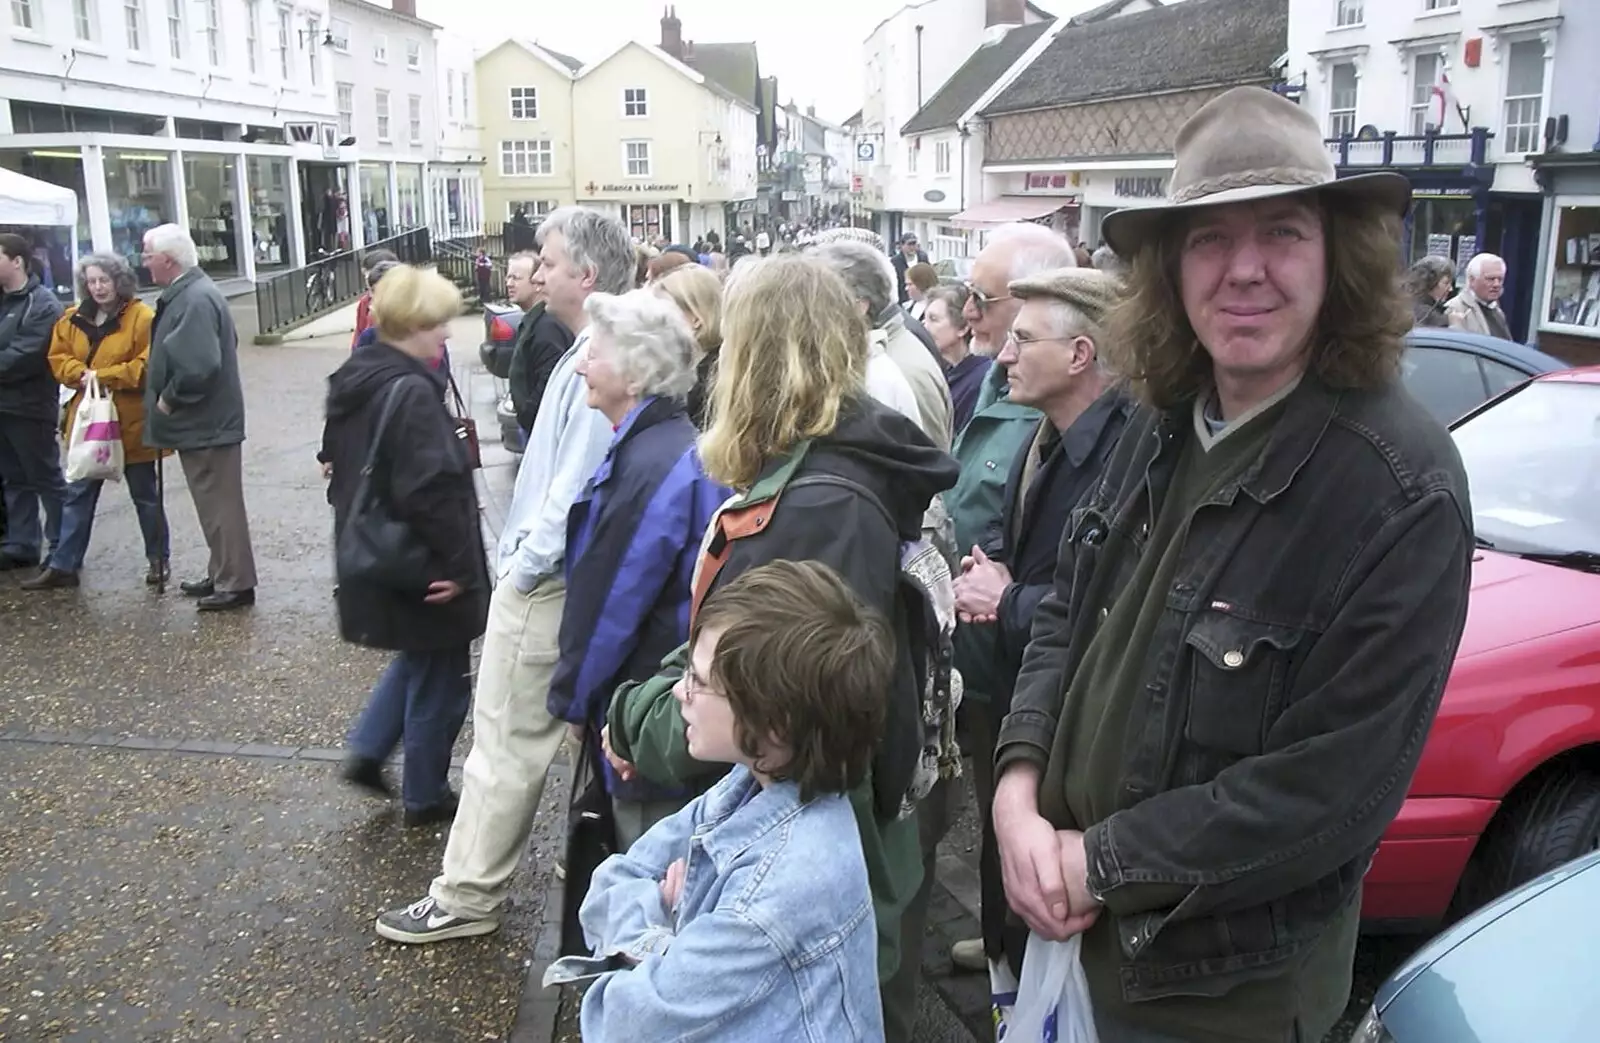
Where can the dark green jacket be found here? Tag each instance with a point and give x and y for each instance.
(998, 431)
(194, 369)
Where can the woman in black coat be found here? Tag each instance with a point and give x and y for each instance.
(422, 473)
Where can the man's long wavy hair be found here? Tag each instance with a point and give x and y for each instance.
(793, 350)
(1356, 343)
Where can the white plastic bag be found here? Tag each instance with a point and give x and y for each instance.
(94, 448)
(1052, 1003)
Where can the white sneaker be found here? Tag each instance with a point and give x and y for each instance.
(968, 955)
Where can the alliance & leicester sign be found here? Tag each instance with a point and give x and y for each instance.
(592, 188)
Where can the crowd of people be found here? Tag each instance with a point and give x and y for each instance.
(1187, 522)
(1161, 540)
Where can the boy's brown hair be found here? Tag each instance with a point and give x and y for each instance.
(805, 663)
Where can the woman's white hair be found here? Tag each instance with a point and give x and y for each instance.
(174, 242)
(656, 351)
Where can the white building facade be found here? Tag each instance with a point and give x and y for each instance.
(456, 174)
(206, 114)
(1452, 93)
(907, 58)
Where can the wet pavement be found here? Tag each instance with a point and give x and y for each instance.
(178, 860)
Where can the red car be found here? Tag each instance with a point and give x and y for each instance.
(1509, 785)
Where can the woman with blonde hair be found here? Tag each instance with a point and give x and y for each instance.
(821, 472)
(107, 334)
(390, 440)
(698, 294)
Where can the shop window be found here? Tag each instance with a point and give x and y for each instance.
(376, 206)
(212, 189)
(1444, 226)
(139, 197)
(58, 166)
(1575, 277)
(647, 221)
(409, 207)
(268, 178)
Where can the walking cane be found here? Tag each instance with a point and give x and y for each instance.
(161, 501)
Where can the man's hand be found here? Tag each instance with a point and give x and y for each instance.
(980, 587)
(162, 407)
(625, 771)
(83, 381)
(1030, 858)
(327, 471)
(672, 886)
(442, 591)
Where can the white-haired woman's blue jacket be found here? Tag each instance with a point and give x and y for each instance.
(773, 938)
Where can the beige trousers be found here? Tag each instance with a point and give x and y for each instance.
(216, 484)
(514, 739)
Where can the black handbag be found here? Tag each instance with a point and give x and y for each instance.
(375, 548)
(591, 837)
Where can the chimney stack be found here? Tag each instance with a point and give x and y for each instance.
(405, 7)
(1004, 12)
(672, 33)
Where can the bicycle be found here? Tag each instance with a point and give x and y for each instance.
(320, 287)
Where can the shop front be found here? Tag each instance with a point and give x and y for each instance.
(1106, 191)
(1568, 296)
(1052, 197)
(654, 211)
(457, 200)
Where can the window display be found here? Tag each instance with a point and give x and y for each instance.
(268, 179)
(58, 166)
(375, 202)
(139, 196)
(212, 189)
(1439, 219)
(1575, 276)
(408, 197)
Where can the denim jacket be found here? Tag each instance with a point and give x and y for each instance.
(1288, 688)
(772, 939)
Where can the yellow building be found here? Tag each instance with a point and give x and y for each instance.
(525, 107)
(659, 145)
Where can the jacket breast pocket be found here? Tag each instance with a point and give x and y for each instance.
(1238, 677)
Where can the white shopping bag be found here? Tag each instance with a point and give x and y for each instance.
(1052, 1000)
(94, 446)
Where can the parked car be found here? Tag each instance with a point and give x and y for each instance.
(1512, 972)
(500, 325)
(1509, 783)
(1452, 373)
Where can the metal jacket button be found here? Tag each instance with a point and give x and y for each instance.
(1233, 659)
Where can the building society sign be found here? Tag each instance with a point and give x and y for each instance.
(613, 189)
(1140, 187)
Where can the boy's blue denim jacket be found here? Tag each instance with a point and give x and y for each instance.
(773, 938)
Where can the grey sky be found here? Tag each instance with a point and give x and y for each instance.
(814, 48)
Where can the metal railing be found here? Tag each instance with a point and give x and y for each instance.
(1392, 149)
(328, 281)
(462, 269)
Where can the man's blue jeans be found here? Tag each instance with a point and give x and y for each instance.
(421, 700)
(77, 517)
(30, 470)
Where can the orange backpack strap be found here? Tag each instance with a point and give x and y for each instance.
(738, 520)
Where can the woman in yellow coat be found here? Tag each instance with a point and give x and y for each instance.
(109, 333)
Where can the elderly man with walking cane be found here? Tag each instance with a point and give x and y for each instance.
(194, 404)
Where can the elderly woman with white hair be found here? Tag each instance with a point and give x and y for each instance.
(634, 534)
(108, 335)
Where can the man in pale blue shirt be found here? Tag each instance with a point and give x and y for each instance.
(514, 737)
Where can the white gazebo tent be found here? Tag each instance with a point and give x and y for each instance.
(30, 203)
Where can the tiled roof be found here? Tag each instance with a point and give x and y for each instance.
(732, 66)
(1104, 11)
(1191, 44)
(565, 59)
(976, 75)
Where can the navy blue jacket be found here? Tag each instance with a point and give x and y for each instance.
(633, 538)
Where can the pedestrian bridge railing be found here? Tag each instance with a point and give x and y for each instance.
(329, 281)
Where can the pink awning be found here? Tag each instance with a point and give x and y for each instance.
(1009, 208)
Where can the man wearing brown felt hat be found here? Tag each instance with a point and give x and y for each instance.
(1227, 691)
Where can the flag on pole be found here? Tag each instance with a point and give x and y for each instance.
(1440, 99)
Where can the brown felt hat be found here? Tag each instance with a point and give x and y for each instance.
(1248, 144)
(1092, 292)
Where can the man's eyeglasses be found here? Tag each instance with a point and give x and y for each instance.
(981, 300)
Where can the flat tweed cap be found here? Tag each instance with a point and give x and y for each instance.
(1247, 144)
(1093, 293)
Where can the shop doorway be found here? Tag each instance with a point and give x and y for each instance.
(325, 208)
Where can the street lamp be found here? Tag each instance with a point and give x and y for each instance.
(309, 34)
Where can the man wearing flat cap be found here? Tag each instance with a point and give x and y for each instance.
(1229, 686)
(1052, 359)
